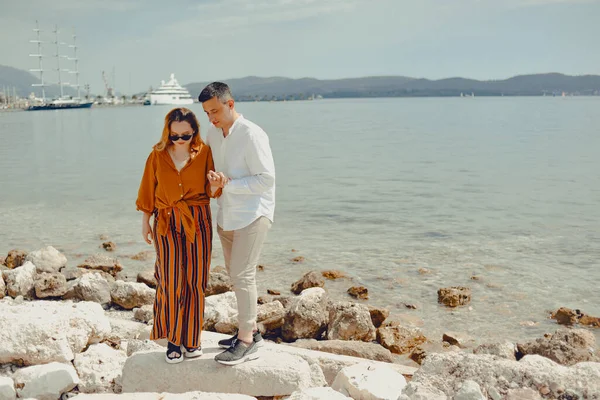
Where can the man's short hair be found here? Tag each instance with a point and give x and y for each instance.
(219, 90)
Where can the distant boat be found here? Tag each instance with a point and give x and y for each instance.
(60, 104)
(63, 102)
(171, 92)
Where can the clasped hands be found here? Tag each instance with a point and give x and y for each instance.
(217, 179)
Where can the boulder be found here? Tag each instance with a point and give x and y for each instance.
(400, 340)
(50, 285)
(134, 345)
(47, 259)
(144, 313)
(102, 263)
(218, 283)
(333, 274)
(320, 393)
(350, 321)
(454, 296)
(92, 287)
(307, 316)
(359, 292)
(369, 382)
(273, 374)
(45, 331)
(15, 258)
(422, 351)
(99, 369)
(20, 280)
(496, 376)
(565, 346)
(378, 315)
(309, 280)
(370, 351)
(7, 388)
(131, 294)
(459, 339)
(2, 287)
(45, 382)
(504, 349)
(148, 278)
(219, 308)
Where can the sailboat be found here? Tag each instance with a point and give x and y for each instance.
(63, 102)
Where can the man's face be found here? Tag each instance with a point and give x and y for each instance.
(219, 114)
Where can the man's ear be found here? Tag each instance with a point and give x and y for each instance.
(230, 103)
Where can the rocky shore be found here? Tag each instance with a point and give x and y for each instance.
(83, 333)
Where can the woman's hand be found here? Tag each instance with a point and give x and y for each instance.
(146, 229)
(217, 179)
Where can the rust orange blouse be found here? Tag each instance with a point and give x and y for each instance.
(164, 189)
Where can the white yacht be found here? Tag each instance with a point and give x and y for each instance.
(171, 92)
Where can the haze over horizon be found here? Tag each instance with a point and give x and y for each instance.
(331, 39)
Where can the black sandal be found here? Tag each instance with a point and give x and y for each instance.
(173, 348)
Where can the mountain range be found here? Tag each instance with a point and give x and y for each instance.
(258, 88)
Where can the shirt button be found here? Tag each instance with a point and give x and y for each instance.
(181, 195)
(180, 184)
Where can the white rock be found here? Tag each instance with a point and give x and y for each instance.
(125, 329)
(165, 396)
(44, 331)
(112, 396)
(523, 394)
(205, 396)
(276, 373)
(418, 391)
(47, 259)
(494, 394)
(369, 382)
(92, 287)
(133, 346)
(321, 393)
(144, 313)
(218, 308)
(7, 388)
(131, 294)
(99, 369)
(19, 281)
(444, 371)
(469, 390)
(45, 382)
(307, 315)
(2, 287)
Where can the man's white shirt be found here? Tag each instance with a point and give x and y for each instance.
(244, 156)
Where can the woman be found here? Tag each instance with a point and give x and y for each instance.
(176, 191)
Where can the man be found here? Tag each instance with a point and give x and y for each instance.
(246, 173)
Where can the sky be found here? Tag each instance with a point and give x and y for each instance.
(144, 41)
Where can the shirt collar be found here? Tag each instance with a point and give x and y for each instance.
(235, 123)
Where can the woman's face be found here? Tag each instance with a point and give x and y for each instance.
(181, 133)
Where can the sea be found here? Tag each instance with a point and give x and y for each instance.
(403, 195)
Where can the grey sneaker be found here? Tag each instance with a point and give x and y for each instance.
(227, 343)
(238, 353)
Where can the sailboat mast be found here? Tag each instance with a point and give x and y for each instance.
(40, 62)
(76, 72)
(60, 84)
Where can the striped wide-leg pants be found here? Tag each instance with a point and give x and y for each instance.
(181, 273)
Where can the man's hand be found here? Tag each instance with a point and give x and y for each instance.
(217, 179)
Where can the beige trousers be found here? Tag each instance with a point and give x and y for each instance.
(241, 250)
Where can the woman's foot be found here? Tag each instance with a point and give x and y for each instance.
(174, 355)
(192, 352)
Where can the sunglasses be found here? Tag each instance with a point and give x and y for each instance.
(175, 138)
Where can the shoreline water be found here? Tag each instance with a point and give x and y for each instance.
(380, 189)
(114, 353)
